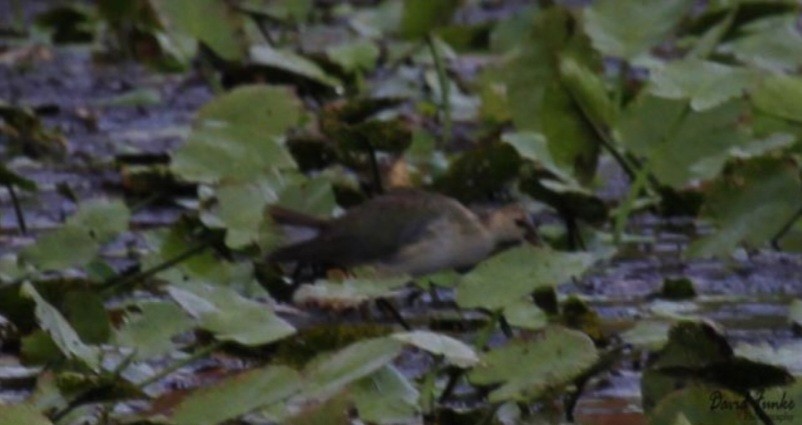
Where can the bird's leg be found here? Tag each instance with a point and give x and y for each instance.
(454, 374)
(387, 306)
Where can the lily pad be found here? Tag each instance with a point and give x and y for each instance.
(422, 16)
(516, 273)
(293, 63)
(229, 316)
(330, 373)
(453, 350)
(236, 135)
(780, 96)
(749, 204)
(62, 333)
(22, 414)
(215, 23)
(95, 223)
(385, 397)
(151, 330)
(706, 84)
(656, 19)
(528, 369)
(237, 395)
(773, 43)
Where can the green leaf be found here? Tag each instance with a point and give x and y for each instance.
(694, 404)
(229, 316)
(588, 91)
(237, 395)
(65, 337)
(95, 223)
(517, 272)
(210, 21)
(706, 84)
(772, 43)
(22, 414)
(780, 96)
(681, 145)
(422, 16)
(749, 204)
(693, 344)
(86, 313)
(356, 56)
(292, 63)
(236, 135)
(453, 350)
(604, 23)
(151, 330)
(329, 373)
(385, 397)
(524, 314)
(527, 369)
(241, 207)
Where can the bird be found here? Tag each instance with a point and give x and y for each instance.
(405, 232)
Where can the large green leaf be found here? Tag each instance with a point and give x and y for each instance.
(780, 96)
(706, 84)
(453, 350)
(772, 43)
(237, 395)
(607, 22)
(210, 21)
(385, 397)
(329, 373)
(22, 414)
(511, 275)
(292, 63)
(679, 144)
(702, 405)
(236, 135)
(62, 333)
(750, 204)
(78, 241)
(229, 316)
(151, 330)
(527, 369)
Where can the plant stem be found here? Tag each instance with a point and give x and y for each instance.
(113, 284)
(445, 90)
(775, 240)
(23, 228)
(179, 364)
(624, 210)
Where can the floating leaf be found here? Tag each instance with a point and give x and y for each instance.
(236, 135)
(453, 350)
(681, 145)
(237, 395)
(693, 344)
(292, 63)
(65, 337)
(706, 84)
(773, 43)
(230, 316)
(524, 314)
(527, 369)
(23, 414)
(95, 223)
(656, 19)
(356, 56)
(749, 204)
(385, 397)
(647, 334)
(515, 273)
(330, 372)
(151, 330)
(213, 22)
(780, 96)
(702, 404)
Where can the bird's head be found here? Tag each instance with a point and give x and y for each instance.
(510, 225)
